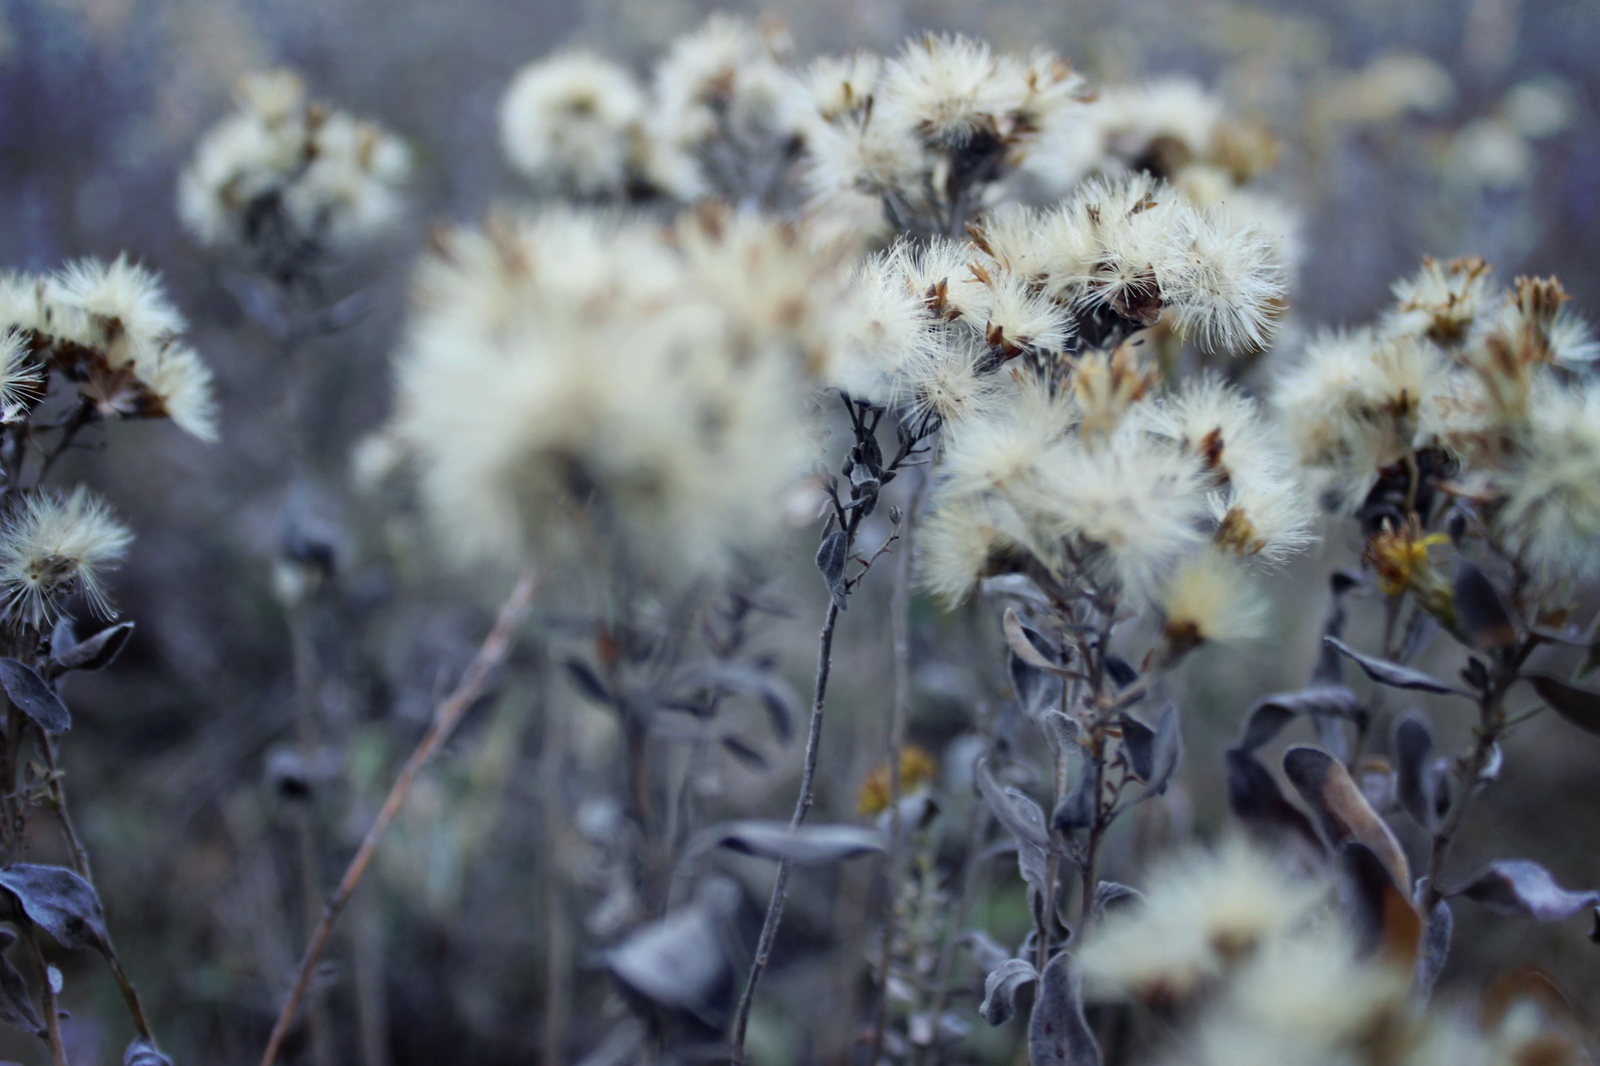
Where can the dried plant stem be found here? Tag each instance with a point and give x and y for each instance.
(47, 995)
(80, 864)
(900, 630)
(977, 828)
(780, 888)
(303, 653)
(1491, 724)
(490, 656)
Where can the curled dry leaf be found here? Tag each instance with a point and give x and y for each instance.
(805, 845)
(1415, 785)
(1385, 921)
(681, 961)
(1256, 800)
(95, 653)
(1025, 642)
(1577, 705)
(1340, 809)
(1520, 886)
(1003, 803)
(1268, 717)
(1393, 674)
(1000, 990)
(1480, 616)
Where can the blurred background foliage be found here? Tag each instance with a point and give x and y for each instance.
(1440, 127)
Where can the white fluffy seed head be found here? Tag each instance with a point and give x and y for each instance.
(1223, 282)
(568, 123)
(51, 547)
(946, 89)
(1210, 597)
(1443, 299)
(1204, 914)
(1550, 517)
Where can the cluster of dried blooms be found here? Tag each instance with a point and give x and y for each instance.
(285, 179)
(91, 343)
(1041, 291)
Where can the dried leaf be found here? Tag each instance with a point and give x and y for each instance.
(1111, 896)
(1256, 800)
(745, 753)
(95, 653)
(1077, 808)
(1480, 615)
(805, 845)
(1032, 860)
(832, 556)
(1057, 1032)
(1002, 803)
(1579, 706)
(1330, 665)
(1065, 730)
(1412, 747)
(15, 1006)
(774, 694)
(1340, 809)
(143, 1053)
(1268, 717)
(1166, 752)
(681, 961)
(1393, 674)
(59, 902)
(1520, 886)
(34, 697)
(1028, 644)
(1000, 990)
(1384, 918)
(1434, 950)
(587, 682)
(1139, 745)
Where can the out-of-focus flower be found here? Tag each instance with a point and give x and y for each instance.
(570, 123)
(285, 178)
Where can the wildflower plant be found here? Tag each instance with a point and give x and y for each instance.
(968, 312)
(90, 344)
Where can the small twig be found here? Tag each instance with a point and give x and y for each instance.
(900, 629)
(47, 994)
(780, 888)
(490, 655)
(81, 416)
(80, 863)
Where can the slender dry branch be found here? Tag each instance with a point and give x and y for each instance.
(490, 656)
(900, 628)
(780, 889)
(47, 995)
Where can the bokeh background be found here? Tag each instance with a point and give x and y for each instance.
(1438, 127)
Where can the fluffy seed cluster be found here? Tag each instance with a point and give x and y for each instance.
(716, 118)
(1174, 130)
(1062, 454)
(1499, 381)
(921, 138)
(286, 178)
(570, 376)
(1253, 968)
(52, 547)
(110, 331)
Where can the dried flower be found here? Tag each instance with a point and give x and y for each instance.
(51, 547)
(570, 121)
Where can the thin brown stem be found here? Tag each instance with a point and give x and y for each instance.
(80, 864)
(47, 996)
(780, 888)
(491, 654)
(81, 416)
(900, 630)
